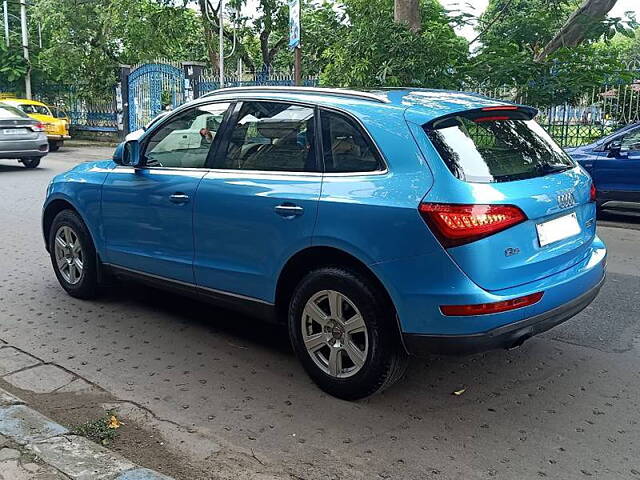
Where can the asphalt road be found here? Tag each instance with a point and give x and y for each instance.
(563, 406)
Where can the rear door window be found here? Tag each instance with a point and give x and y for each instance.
(496, 148)
(271, 136)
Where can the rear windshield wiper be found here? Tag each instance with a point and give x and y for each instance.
(547, 168)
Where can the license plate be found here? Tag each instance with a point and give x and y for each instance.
(13, 131)
(558, 229)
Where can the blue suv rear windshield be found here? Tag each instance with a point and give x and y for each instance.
(496, 148)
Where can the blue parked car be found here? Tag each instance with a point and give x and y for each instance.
(614, 165)
(376, 224)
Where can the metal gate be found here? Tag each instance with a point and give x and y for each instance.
(152, 88)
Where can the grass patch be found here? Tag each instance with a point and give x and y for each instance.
(103, 430)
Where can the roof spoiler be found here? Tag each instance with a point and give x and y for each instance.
(484, 114)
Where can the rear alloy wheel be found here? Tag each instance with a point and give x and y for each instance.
(344, 333)
(32, 162)
(334, 334)
(73, 255)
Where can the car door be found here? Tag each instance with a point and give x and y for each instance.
(258, 205)
(147, 211)
(617, 173)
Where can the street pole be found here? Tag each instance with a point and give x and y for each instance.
(221, 44)
(25, 47)
(297, 66)
(6, 22)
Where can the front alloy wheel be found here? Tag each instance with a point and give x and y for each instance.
(73, 255)
(69, 255)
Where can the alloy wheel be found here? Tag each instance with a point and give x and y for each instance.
(68, 254)
(335, 334)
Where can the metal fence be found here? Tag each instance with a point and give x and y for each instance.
(209, 82)
(145, 90)
(83, 114)
(594, 114)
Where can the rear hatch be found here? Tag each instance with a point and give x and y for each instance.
(510, 207)
(15, 125)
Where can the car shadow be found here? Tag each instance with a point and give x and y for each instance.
(18, 167)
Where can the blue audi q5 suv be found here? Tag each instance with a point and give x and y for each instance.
(375, 224)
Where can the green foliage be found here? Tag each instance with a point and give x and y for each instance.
(12, 66)
(84, 42)
(375, 51)
(102, 430)
(513, 32)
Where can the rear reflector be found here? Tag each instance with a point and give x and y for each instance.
(456, 224)
(487, 308)
(593, 193)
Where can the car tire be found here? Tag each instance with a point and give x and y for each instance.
(73, 255)
(31, 162)
(350, 346)
(55, 145)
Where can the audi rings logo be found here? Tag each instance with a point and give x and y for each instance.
(566, 200)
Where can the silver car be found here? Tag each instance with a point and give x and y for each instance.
(21, 137)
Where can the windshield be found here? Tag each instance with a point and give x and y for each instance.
(496, 149)
(10, 113)
(37, 109)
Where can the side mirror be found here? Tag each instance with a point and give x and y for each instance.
(127, 153)
(117, 154)
(614, 148)
(131, 153)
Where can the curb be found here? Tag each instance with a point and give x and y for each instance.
(76, 457)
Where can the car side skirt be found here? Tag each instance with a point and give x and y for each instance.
(249, 306)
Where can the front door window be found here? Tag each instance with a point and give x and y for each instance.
(184, 141)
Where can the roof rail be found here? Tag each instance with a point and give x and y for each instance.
(343, 92)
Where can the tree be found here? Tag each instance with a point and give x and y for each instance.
(585, 22)
(510, 46)
(85, 42)
(258, 39)
(376, 51)
(12, 68)
(407, 12)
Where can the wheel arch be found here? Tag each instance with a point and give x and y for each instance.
(316, 257)
(53, 208)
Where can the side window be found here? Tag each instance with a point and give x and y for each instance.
(185, 140)
(631, 141)
(346, 148)
(271, 136)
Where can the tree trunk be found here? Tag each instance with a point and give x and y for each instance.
(577, 27)
(211, 37)
(407, 11)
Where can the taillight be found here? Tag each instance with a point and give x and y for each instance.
(456, 224)
(494, 118)
(499, 107)
(494, 307)
(38, 127)
(593, 193)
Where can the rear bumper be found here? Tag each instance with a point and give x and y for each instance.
(56, 137)
(37, 147)
(506, 336)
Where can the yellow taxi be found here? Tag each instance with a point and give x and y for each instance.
(57, 129)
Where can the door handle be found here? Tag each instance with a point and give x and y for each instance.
(289, 210)
(179, 197)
